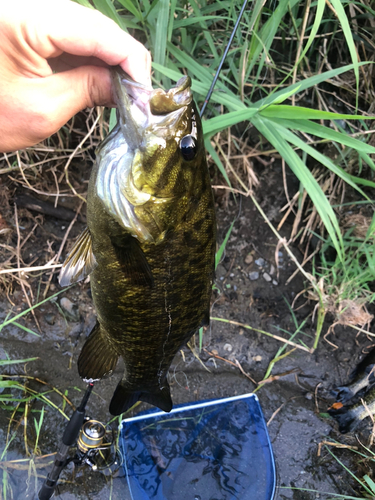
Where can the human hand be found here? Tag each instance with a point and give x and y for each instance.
(41, 36)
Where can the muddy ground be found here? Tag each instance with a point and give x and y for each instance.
(294, 403)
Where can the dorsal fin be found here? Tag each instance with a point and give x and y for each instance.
(80, 261)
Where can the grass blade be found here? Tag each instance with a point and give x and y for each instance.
(271, 133)
(6, 362)
(220, 252)
(211, 151)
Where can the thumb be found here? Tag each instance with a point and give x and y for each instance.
(69, 92)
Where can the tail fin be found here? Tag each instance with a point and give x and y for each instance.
(124, 398)
(343, 394)
(345, 418)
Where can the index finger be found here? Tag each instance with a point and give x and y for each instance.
(65, 26)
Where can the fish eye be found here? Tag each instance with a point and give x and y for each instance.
(188, 147)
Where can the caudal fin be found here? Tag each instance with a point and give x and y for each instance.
(346, 419)
(124, 398)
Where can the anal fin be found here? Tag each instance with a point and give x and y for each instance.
(80, 261)
(124, 398)
(97, 359)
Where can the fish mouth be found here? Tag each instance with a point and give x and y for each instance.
(179, 96)
(141, 109)
(132, 100)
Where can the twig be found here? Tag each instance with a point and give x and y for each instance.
(276, 337)
(23, 270)
(18, 264)
(57, 257)
(236, 364)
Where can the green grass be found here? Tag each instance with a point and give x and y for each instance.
(191, 39)
(366, 484)
(276, 58)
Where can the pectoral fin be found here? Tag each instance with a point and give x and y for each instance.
(97, 359)
(80, 262)
(133, 261)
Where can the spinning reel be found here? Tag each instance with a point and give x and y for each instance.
(95, 447)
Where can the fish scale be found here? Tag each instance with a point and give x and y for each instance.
(150, 257)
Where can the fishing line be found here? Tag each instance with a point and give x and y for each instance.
(223, 59)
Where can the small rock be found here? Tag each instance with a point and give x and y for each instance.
(242, 331)
(274, 282)
(235, 288)
(70, 308)
(254, 275)
(215, 352)
(267, 277)
(257, 359)
(249, 259)
(228, 347)
(260, 262)
(231, 275)
(272, 269)
(50, 319)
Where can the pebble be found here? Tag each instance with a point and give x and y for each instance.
(254, 275)
(70, 308)
(257, 359)
(50, 319)
(274, 282)
(267, 277)
(228, 347)
(260, 262)
(249, 259)
(272, 269)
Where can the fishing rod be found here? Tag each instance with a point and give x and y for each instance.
(208, 97)
(91, 439)
(90, 435)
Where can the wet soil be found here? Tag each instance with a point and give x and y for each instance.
(250, 289)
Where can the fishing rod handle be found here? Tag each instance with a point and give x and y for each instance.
(69, 439)
(48, 487)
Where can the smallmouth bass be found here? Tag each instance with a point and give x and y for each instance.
(149, 247)
(361, 381)
(362, 377)
(350, 416)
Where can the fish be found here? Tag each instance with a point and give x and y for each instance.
(362, 380)
(350, 416)
(362, 377)
(149, 246)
